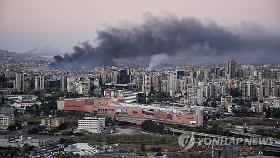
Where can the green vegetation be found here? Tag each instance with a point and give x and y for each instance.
(271, 112)
(275, 133)
(110, 121)
(36, 130)
(34, 110)
(16, 151)
(5, 83)
(214, 129)
(243, 112)
(147, 139)
(68, 155)
(66, 141)
(159, 127)
(15, 126)
(48, 105)
(234, 92)
(30, 120)
(140, 143)
(2, 101)
(71, 117)
(246, 121)
(49, 102)
(62, 126)
(153, 126)
(117, 155)
(158, 96)
(76, 114)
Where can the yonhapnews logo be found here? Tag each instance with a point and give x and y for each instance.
(187, 141)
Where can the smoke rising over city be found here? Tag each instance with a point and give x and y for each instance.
(162, 41)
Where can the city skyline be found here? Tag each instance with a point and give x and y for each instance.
(139, 78)
(38, 104)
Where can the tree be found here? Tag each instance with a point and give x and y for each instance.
(152, 126)
(110, 121)
(267, 112)
(46, 108)
(3, 81)
(275, 112)
(34, 110)
(242, 112)
(143, 147)
(234, 92)
(2, 102)
(35, 130)
(48, 105)
(27, 148)
(72, 95)
(14, 126)
(158, 96)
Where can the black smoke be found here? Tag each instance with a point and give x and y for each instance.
(171, 40)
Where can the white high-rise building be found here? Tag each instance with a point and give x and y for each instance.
(19, 84)
(172, 82)
(92, 124)
(62, 81)
(39, 82)
(147, 83)
(248, 90)
(210, 90)
(200, 93)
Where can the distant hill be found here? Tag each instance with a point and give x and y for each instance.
(10, 54)
(5, 53)
(46, 51)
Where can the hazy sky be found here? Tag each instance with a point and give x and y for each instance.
(61, 24)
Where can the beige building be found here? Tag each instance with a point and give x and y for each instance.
(226, 99)
(52, 122)
(7, 117)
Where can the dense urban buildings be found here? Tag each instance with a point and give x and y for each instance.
(145, 79)
(178, 97)
(95, 100)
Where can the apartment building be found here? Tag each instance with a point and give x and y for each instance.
(91, 124)
(7, 117)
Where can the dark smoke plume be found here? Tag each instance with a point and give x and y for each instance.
(172, 40)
